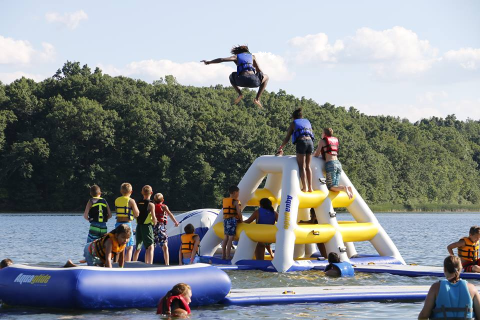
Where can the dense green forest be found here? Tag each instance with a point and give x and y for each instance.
(78, 128)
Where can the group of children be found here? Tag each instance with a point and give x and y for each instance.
(102, 247)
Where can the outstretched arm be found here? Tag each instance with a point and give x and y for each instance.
(287, 137)
(253, 217)
(170, 214)
(220, 60)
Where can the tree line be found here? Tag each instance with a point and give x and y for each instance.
(78, 128)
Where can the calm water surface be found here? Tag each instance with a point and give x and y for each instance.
(47, 239)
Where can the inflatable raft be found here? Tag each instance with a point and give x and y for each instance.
(103, 288)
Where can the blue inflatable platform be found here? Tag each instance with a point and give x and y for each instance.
(137, 286)
(330, 294)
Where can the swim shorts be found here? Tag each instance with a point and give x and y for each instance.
(247, 80)
(96, 231)
(304, 146)
(91, 259)
(333, 169)
(468, 267)
(144, 235)
(160, 233)
(230, 226)
(131, 241)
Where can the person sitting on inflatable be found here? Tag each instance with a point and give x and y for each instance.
(263, 215)
(451, 298)
(468, 250)
(337, 268)
(189, 248)
(248, 73)
(176, 301)
(103, 250)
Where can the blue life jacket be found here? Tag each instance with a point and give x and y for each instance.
(302, 128)
(453, 301)
(244, 62)
(345, 268)
(265, 216)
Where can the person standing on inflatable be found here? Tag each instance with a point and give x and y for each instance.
(126, 209)
(302, 137)
(176, 301)
(97, 212)
(232, 214)
(248, 75)
(160, 229)
(145, 221)
(451, 298)
(328, 148)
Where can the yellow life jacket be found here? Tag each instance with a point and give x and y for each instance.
(99, 245)
(469, 252)
(122, 209)
(229, 210)
(188, 242)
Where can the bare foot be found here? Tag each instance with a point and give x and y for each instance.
(257, 102)
(350, 192)
(70, 264)
(240, 97)
(310, 190)
(304, 190)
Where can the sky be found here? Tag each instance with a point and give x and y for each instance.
(409, 59)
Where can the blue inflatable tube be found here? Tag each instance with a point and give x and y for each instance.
(103, 288)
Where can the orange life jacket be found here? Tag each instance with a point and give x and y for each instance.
(188, 242)
(229, 209)
(469, 252)
(99, 246)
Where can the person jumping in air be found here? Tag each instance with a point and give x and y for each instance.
(248, 75)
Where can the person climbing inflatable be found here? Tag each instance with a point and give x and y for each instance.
(248, 74)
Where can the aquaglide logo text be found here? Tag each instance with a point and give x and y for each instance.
(32, 279)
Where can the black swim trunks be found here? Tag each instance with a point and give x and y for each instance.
(304, 146)
(247, 80)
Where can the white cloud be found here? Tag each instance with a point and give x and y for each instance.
(438, 106)
(70, 20)
(467, 58)
(21, 52)
(394, 52)
(430, 96)
(274, 66)
(7, 77)
(315, 47)
(197, 73)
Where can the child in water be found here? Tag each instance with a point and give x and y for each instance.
(176, 301)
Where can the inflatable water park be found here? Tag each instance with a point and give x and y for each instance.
(296, 249)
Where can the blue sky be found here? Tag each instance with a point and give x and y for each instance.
(412, 59)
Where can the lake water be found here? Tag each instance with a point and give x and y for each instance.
(422, 238)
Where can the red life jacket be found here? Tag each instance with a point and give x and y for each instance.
(331, 146)
(160, 213)
(165, 304)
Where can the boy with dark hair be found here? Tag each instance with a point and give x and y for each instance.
(189, 248)
(468, 250)
(231, 215)
(97, 212)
